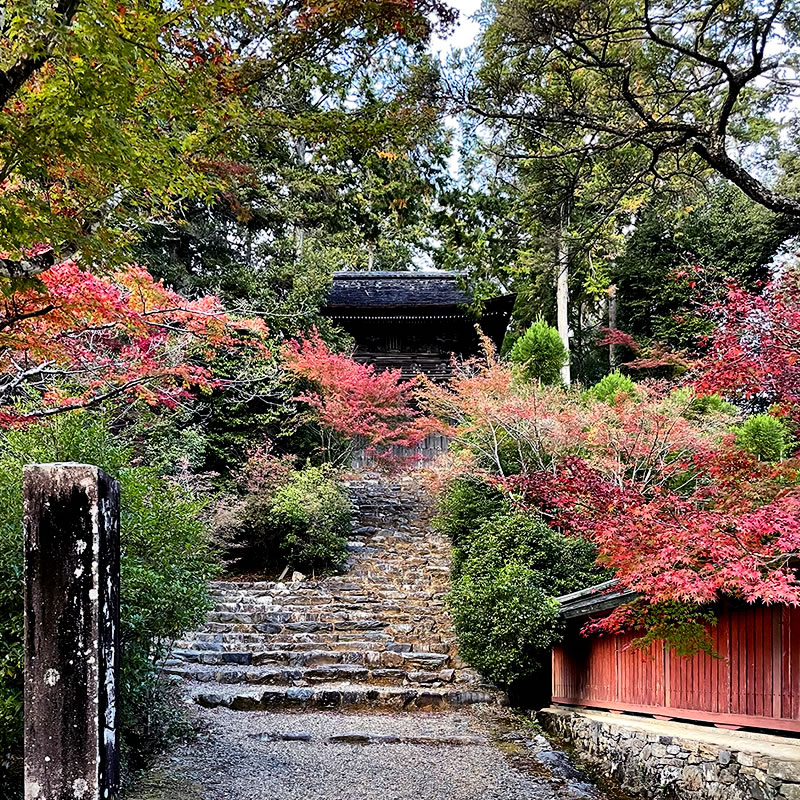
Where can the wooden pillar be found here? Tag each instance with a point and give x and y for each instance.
(71, 629)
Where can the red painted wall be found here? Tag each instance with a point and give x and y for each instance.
(755, 682)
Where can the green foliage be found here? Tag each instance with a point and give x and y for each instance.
(683, 627)
(303, 522)
(610, 387)
(507, 567)
(166, 561)
(706, 404)
(679, 259)
(540, 354)
(764, 436)
(313, 515)
(347, 184)
(466, 504)
(505, 622)
(559, 563)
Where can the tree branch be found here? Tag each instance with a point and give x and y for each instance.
(18, 74)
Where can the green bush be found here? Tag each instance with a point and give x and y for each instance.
(764, 436)
(697, 406)
(508, 568)
(610, 387)
(540, 354)
(704, 404)
(313, 515)
(505, 622)
(166, 562)
(303, 523)
(466, 504)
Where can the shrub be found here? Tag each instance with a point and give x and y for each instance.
(465, 504)
(303, 522)
(610, 387)
(166, 562)
(703, 404)
(540, 354)
(764, 436)
(313, 516)
(505, 622)
(511, 566)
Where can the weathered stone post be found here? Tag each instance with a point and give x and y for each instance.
(71, 628)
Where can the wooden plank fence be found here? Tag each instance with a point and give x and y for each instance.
(431, 448)
(754, 682)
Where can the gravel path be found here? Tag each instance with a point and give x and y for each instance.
(480, 754)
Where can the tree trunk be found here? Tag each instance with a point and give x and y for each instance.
(562, 291)
(299, 232)
(612, 323)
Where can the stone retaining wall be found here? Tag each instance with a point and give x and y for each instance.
(679, 761)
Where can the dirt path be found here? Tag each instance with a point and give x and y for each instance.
(475, 754)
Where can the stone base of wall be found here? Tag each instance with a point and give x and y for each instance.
(679, 761)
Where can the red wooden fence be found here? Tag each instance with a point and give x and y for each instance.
(755, 682)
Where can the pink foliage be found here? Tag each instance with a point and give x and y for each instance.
(354, 400)
(75, 339)
(755, 349)
(672, 505)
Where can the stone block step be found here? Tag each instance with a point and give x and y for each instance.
(354, 696)
(267, 675)
(386, 610)
(395, 630)
(430, 662)
(257, 643)
(309, 666)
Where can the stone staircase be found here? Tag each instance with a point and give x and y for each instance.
(376, 636)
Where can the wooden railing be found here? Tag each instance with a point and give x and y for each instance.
(754, 681)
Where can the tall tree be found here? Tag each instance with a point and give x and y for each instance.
(568, 209)
(679, 260)
(679, 87)
(114, 112)
(340, 168)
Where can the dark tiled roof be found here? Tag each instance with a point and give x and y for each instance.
(396, 290)
(601, 597)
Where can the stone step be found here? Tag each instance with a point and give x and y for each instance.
(366, 595)
(313, 610)
(422, 631)
(354, 696)
(256, 643)
(377, 635)
(390, 627)
(267, 675)
(333, 583)
(306, 658)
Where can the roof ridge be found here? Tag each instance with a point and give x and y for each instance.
(424, 275)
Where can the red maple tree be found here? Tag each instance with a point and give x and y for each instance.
(73, 339)
(356, 404)
(754, 352)
(675, 508)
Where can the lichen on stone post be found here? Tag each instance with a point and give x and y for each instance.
(72, 577)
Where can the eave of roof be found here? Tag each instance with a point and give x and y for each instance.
(594, 599)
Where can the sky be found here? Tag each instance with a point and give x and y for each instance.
(466, 30)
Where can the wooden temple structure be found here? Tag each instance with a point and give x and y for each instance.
(413, 321)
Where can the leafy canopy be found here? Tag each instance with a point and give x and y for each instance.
(115, 113)
(673, 89)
